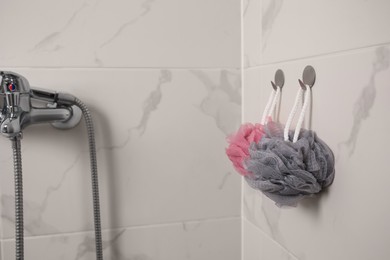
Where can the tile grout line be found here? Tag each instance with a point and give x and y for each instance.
(242, 118)
(119, 68)
(1, 250)
(271, 238)
(318, 56)
(145, 226)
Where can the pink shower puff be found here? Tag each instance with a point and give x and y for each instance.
(238, 150)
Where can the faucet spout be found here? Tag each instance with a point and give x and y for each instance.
(46, 115)
(11, 126)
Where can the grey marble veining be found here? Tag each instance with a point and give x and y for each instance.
(136, 34)
(246, 4)
(56, 41)
(224, 180)
(33, 223)
(268, 213)
(146, 8)
(88, 245)
(97, 60)
(153, 100)
(117, 146)
(366, 99)
(258, 245)
(50, 43)
(223, 101)
(308, 30)
(269, 16)
(150, 104)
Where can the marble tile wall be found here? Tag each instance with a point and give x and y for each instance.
(163, 82)
(137, 33)
(348, 44)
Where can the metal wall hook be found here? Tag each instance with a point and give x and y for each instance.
(279, 79)
(308, 77)
(273, 85)
(303, 86)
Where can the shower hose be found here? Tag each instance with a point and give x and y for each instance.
(17, 156)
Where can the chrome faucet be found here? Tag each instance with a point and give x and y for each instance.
(21, 106)
(17, 111)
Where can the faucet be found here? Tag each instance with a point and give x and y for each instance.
(17, 111)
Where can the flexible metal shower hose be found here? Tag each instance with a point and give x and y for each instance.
(19, 226)
(17, 156)
(94, 176)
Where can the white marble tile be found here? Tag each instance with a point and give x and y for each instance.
(206, 240)
(259, 246)
(252, 20)
(303, 28)
(161, 139)
(137, 33)
(350, 106)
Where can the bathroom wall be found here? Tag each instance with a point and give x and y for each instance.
(162, 79)
(348, 43)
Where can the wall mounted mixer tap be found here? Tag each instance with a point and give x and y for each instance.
(21, 106)
(18, 112)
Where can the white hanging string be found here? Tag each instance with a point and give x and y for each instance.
(302, 115)
(274, 102)
(290, 118)
(267, 107)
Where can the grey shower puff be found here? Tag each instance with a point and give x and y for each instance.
(287, 171)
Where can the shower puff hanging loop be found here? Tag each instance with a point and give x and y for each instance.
(274, 97)
(308, 77)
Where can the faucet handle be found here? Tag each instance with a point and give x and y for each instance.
(12, 82)
(13, 86)
(10, 88)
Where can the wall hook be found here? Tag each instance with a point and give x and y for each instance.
(279, 79)
(308, 77)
